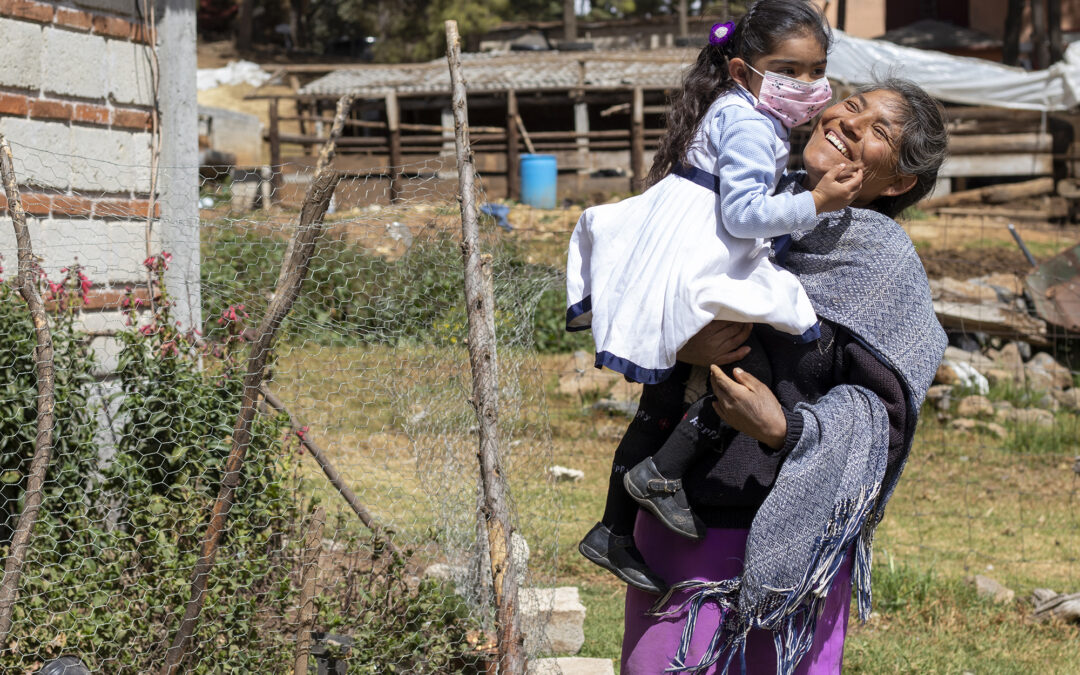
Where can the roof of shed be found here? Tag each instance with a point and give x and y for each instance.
(499, 71)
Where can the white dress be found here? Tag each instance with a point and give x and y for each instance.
(649, 272)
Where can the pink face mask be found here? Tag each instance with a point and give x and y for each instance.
(792, 101)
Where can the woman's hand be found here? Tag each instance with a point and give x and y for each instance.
(717, 343)
(749, 406)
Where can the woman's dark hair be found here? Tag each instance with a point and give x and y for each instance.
(765, 24)
(924, 142)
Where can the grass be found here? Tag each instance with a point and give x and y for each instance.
(396, 423)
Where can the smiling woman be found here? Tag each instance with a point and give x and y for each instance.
(894, 131)
(809, 453)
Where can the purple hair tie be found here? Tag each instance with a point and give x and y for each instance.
(720, 33)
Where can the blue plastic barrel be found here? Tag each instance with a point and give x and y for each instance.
(539, 177)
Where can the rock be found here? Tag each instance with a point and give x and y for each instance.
(978, 426)
(960, 374)
(990, 589)
(444, 572)
(561, 474)
(1043, 372)
(1003, 408)
(553, 620)
(946, 376)
(974, 359)
(1001, 376)
(940, 396)
(1031, 417)
(587, 382)
(975, 406)
(574, 665)
(613, 407)
(948, 288)
(1041, 595)
(1069, 398)
(1008, 287)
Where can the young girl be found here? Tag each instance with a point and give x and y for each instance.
(650, 272)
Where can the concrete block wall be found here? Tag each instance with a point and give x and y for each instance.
(76, 98)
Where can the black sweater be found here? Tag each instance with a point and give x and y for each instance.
(726, 488)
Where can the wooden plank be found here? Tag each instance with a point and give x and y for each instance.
(1005, 164)
(995, 319)
(994, 194)
(999, 143)
(275, 148)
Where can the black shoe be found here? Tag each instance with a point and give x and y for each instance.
(663, 498)
(619, 556)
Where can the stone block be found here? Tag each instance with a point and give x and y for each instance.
(553, 619)
(106, 352)
(129, 73)
(20, 54)
(573, 665)
(63, 242)
(99, 323)
(109, 161)
(127, 243)
(41, 150)
(73, 64)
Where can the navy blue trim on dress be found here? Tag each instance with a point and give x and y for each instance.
(698, 176)
(631, 370)
(781, 246)
(576, 310)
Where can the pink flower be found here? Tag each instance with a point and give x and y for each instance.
(84, 284)
(148, 329)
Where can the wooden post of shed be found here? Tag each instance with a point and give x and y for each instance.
(275, 151)
(303, 109)
(581, 139)
(637, 141)
(393, 132)
(513, 186)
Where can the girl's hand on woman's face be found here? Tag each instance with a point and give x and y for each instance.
(717, 343)
(749, 406)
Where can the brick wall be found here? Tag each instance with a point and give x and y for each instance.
(76, 98)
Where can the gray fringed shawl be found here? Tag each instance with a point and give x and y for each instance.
(861, 271)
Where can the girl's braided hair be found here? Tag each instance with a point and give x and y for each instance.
(765, 24)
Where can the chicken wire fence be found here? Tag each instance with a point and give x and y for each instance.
(370, 374)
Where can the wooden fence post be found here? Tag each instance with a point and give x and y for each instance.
(305, 611)
(44, 369)
(393, 132)
(301, 250)
(482, 358)
(637, 141)
(513, 184)
(275, 151)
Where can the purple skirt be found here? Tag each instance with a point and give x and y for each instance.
(650, 642)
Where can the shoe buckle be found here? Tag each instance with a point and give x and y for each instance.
(664, 485)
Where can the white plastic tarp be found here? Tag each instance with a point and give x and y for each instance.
(958, 79)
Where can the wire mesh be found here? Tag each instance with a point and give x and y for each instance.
(372, 366)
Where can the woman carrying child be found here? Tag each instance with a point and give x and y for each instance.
(648, 273)
(801, 462)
